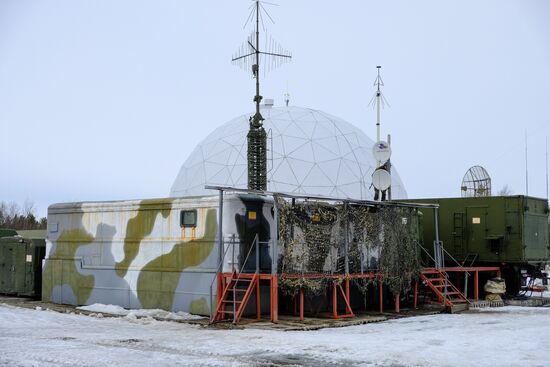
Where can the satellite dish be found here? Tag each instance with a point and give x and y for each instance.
(476, 183)
(381, 179)
(381, 151)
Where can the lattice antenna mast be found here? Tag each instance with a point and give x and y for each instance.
(250, 55)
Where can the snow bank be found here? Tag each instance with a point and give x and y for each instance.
(133, 314)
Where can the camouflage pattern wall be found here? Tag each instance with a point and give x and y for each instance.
(136, 254)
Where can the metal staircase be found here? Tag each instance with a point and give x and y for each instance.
(237, 287)
(236, 294)
(445, 291)
(437, 280)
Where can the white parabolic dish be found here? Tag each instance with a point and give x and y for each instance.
(381, 179)
(381, 151)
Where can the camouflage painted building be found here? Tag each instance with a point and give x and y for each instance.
(159, 253)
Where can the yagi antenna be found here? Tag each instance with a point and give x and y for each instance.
(249, 54)
(251, 57)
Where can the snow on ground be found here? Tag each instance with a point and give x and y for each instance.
(508, 336)
(154, 313)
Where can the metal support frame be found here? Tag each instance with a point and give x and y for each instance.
(381, 290)
(220, 228)
(415, 300)
(273, 278)
(438, 253)
(346, 240)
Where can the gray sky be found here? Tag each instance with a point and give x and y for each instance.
(105, 99)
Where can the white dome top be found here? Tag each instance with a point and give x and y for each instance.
(309, 152)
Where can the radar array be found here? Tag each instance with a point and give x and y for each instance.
(476, 183)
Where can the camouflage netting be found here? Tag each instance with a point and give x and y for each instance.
(315, 236)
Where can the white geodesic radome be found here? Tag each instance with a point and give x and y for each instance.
(309, 152)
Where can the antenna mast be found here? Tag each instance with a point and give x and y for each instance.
(547, 168)
(378, 82)
(526, 168)
(381, 178)
(273, 57)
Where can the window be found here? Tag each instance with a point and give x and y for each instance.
(188, 218)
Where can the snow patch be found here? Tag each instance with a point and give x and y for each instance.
(485, 338)
(142, 313)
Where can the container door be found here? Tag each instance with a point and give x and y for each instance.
(535, 237)
(8, 269)
(3, 268)
(19, 268)
(458, 234)
(253, 223)
(477, 225)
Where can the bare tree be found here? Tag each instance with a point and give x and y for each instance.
(28, 207)
(16, 217)
(505, 191)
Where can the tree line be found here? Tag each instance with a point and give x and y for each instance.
(23, 217)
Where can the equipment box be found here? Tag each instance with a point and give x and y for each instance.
(21, 265)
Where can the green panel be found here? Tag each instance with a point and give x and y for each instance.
(476, 229)
(7, 232)
(33, 234)
(7, 276)
(535, 236)
(458, 233)
(19, 265)
(513, 229)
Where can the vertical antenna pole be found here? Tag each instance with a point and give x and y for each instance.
(526, 168)
(547, 168)
(389, 168)
(257, 137)
(378, 97)
(257, 158)
(258, 97)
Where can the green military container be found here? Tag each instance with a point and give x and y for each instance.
(21, 255)
(495, 229)
(506, 231)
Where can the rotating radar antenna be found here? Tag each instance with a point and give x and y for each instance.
(476, 183)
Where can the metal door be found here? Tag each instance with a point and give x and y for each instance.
(7, 269)
(458, 234)
(19, 268)
(476, 219)
(250, 224)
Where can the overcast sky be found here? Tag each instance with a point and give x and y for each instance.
(105, 99)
